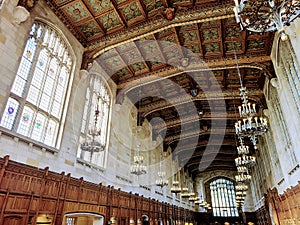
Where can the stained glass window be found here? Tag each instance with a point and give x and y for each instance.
(223, 198)
(37, 97)
(97, 94)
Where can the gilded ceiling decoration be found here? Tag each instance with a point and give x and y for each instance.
(158, 43)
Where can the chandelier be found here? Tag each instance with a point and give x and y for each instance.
(241, 187)
(249, 126)
(161, 181)
(202, 203)
(242, 149)
(184, 188)
(245, 160)
(266, 15)
(137, 168)
(243, 177)
(242, 169)
(175, 187)
(91, 144)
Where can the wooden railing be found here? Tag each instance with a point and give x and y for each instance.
(27, 192)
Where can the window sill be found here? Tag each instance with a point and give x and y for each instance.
(90, 165)
(18, 137)
(295, 168)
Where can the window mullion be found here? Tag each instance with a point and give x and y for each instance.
(22, 100)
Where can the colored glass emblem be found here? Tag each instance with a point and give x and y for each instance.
(38, 124)
(26, 117)
(28, 53)
(10, 110)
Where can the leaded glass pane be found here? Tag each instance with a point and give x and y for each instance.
(33, 95)
(18, 86)
(51, 132)
(223, 198)
(38, 127)
(97, 96)
(9, 115)
(25, 121)
(44, 97)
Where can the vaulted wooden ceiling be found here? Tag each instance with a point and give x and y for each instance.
(161, 50)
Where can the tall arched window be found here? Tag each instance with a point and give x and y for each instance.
(38, 95)
(223, 197)
(97, 96)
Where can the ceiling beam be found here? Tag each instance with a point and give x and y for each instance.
(228, 94)
(245, 61)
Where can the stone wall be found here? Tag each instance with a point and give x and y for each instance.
(15, 24)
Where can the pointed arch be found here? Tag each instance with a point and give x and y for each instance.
(38, 99)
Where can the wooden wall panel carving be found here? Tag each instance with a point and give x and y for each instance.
(284, 208)
(27, 192)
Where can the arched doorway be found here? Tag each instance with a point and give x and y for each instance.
(83, 218)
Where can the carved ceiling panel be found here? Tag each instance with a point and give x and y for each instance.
(182, 54)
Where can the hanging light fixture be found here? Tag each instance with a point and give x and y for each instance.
(242, 149)
(161, 181)
(245, 161)
(243, 177)
(175, 187)
(91, 144)
(184, 188)
(176, 180)
(250, 124)
(202, 203)
(137, 168)
(266, 15)
(241, 187)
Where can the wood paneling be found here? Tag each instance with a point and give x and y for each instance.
(284, 208)
(27, 192)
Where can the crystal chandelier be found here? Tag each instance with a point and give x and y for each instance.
(266, 15)
(91, 144)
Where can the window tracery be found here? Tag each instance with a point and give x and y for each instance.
(38, 95)
(223, 198)
(97, 95)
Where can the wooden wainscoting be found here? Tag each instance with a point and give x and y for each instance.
(284, 209)
(29, 194)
